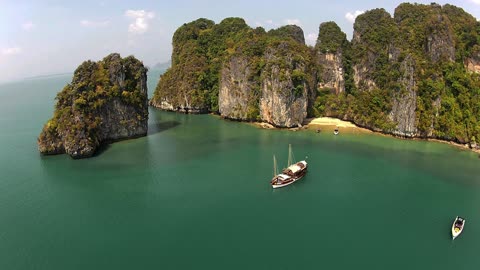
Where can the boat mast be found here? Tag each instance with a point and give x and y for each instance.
(274, 166)
(290, 155)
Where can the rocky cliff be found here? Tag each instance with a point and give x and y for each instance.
(106, 101)
(373, 36)
(413, 74)
(200, 47)
(472, 63)
(405, 101)
(239, 72)
(284, 87)
(330, 45)
(238, 97)
(332, 72)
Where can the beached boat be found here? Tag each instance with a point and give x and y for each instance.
(289, 175)
(457, 227)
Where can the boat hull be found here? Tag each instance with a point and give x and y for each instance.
(455, 234)
(289, 175)
(455, 230)
(287, 183)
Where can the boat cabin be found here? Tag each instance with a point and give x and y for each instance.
(295, 168)
(281, 178)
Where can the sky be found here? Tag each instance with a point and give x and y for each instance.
(50, 37)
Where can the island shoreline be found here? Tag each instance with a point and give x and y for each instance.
(331, 123)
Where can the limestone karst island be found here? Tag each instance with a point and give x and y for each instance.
(106, 101)
(413, 74)
(239, 135)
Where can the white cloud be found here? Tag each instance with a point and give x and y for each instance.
(88, 23)
(141, 17)
(311, 39)
(258, 24)
(270, 23)
(351, 16)
(11, 51)
(293, 21)
(475, 2)
(28, 26)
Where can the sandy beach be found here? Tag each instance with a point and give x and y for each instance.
(346, 126)
(328, 121)
(329, 124)
(321, 123)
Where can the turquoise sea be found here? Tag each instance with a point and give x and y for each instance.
(195, 194)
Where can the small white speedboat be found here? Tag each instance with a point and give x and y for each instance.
(457, 227)
(336, 131)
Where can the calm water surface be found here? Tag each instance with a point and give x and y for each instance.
(195, 194)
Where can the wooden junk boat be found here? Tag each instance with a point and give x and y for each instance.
(457, 227)
(289, 175)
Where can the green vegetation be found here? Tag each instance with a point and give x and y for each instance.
(330, 38)
(417, 56)
(289, 31)
(440, 39)
(199, 50)
(436, 41)
(202, 48)
(80, 105)
(376, 31)
(365, 108)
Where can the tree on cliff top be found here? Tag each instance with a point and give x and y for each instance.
(288, 31)
(330, 38)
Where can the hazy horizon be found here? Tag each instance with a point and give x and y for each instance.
(51, 37)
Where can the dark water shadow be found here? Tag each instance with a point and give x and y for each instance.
(153, 128)
(102, 149)
(157, 127)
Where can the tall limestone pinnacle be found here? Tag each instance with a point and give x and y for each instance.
(330, 48)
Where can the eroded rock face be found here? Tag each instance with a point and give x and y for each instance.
(390, 54)
(106, 101)
(191, 85)
(331, 43)
(278, 95)
(440, 44)
(179, 90)
(284, 94)
(237, 96)
(332, 72)
(473, 64)
(374, 32)
(219, 68)
(361, 77)
(405, 101)
(398, 75)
